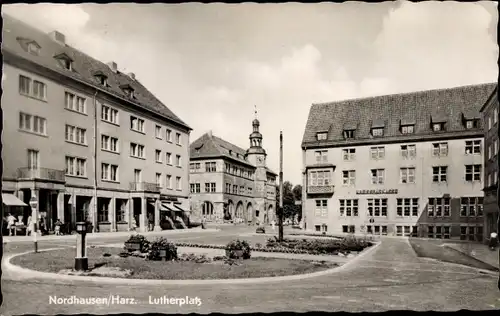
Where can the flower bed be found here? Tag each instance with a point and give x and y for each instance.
(320, 246)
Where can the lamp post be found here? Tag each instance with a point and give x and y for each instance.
(34, 218)
(81, 260)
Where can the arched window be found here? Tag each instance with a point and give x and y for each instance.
(207, 210)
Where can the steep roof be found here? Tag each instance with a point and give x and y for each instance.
(391, 111)
(17, 35)
(210, 146)
(271, 172)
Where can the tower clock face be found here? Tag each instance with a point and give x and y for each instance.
(260, 159)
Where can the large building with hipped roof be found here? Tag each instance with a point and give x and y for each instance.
(405, 164)
(87, 140)
(229, 183)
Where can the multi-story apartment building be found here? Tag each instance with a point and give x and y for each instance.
(88, 141)
(229, 183)
(490, 122)
(405, 165)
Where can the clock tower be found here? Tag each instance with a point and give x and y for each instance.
(256, 154)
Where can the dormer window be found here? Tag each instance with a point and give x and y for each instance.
(101, 78)
(349, 134)
(469, 124)
(377, 128)
(322, 136)
(65, 61)
(436, 127)
(128, 90)
(471, 119)
(33, 48)
(408, 129)
(377, 132)
(438, 122)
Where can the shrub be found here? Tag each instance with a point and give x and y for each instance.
(260, 230)
(195, 258)
(160, 244)
(139, 239)
(237, 245)
(258, 245)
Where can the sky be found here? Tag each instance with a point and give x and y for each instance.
(211, 64)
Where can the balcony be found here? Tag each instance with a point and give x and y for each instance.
(144, 187)
(41, 174)
(320, 189)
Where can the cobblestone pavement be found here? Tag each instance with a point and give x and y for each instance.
(390, 278)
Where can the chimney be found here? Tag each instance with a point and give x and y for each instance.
(58, 37)
(113, 66)
(131, 75)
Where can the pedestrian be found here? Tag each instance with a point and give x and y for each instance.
(11, 224)
(29, 226)
(134, 224)
(272, 224)
(57, 228)
(493, 240)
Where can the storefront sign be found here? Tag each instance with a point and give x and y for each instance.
(379, 191)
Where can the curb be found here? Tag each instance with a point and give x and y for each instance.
(121, 281)
(495, 269)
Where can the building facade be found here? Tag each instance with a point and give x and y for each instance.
(88, 141)
(230, 184)
(404, 165)
(490, 122)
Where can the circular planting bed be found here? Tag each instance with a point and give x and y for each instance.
(108, 259)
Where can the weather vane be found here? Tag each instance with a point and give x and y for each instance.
(255, 111)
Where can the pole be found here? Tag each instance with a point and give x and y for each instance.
(94, 209)
(35, 230)
(280, 216)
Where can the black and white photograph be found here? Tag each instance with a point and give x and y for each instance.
(249, 157)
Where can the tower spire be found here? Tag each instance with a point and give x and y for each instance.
(255, 106)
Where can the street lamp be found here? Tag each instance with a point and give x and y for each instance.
(81, 260)
(34, 216)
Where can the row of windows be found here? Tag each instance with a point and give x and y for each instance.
(405, 207)
(229, 168)
(492, 119)
(493, 149)
(406, 175)
(73, 102)
(440, 149)
(492, 178)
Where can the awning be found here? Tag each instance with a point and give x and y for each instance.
(179, 208)
(378, 123)
(12, 200)
(166, 207)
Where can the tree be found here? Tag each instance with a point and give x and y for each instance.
(289, 198)
(297, 193)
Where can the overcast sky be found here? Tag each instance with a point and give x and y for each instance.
(211, 64)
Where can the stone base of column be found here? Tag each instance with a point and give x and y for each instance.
(157, 229)
(81, 264)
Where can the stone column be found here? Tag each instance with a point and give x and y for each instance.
(35, 211)
(60, 205)
(112, 214)
(72, 200)
(144, 219)
(48, 211)
(157, 227)
(130, 217)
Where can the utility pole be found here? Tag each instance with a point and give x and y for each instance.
(280, 216)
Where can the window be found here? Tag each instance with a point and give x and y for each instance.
(109, 143)
(377, 153)
(430, 232)
(322, 136)
(407, 129)
(440, 149)
(178, 160)
(321, 208)
(136, 150)
(407, 207)
(129, 92)
(159, 180)
(399, 230)
(169, 181)
(349, 154)
(24, 85)
(75, 103)
(321, 156)
(210, 187)
(472, 147)
(168, 135)
(377, 176)
(195, 187)
(242, 190)
(33, 159)
(471, 206)
(472, 233)
(495, 148)
(348, 134)
(137, 175)
(349, 177)
(158, 131)
(377, 132)
(32, 123)
(158, 155)
(109, 172)
(65, 61)
(76, 166)
(348, 207)
(319, 178)
(35, 89)
(178, 183)
(318, 228)
(235, 189)
(39, 89)
(439, 174)
(76, 135)
(408, 151)
(109, 114)
(490, 151)
(120, 213)
(136, 124)
(495, 116)
(377, 207)
(469, 124)
(33, 48)
(439, 207)
(168, 158)
(178, 138)
(102, 79)
(103, 213)
(210, 167)
(407, 175)
(472, 173)
(436, 127)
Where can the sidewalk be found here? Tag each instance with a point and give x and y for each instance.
(478, 251)
(11, 239)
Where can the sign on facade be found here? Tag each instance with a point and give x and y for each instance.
(379, 191)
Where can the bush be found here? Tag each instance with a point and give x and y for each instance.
(260, 230)
(234, 246)
(139, 239)
(195, 258)
(320, 246)
(194, 224)
(159, 244)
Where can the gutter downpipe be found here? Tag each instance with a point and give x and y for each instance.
(94, 158)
